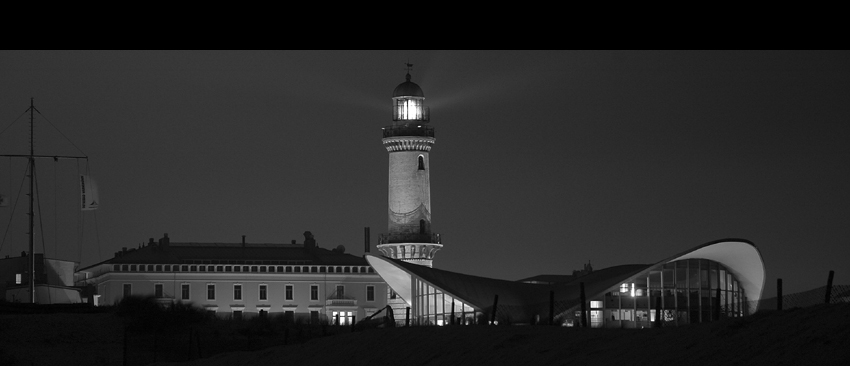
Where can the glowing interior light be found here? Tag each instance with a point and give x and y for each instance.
(410, 109)
(633, 289)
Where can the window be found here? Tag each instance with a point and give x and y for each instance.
(157, 290)
(184, 291)
(340, 291)
(370, 293)
(237, 292)
(237, 314)
(18, 278)
(128, 290)
(314, 292)
(263, 292)
(290, 297)
(421, 163)
(392, 294)
(210, 292)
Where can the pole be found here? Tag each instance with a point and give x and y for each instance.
(551, 307)
(829, 287)
(778, 294)
(583, 307)
(31, 213)
(495, 307)
(407, 316)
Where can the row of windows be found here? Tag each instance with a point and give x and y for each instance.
(263, 293)
(231, 268)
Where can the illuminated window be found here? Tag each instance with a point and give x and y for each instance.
(596, 304)
(17, 278)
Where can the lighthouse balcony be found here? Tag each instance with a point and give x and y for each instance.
(432, 238)
(409, 130)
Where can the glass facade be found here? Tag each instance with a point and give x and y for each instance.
(687, 291)
(431, 306)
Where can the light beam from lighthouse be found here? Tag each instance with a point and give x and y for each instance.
(408, 141)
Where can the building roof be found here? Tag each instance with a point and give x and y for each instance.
(176, 253)
(408, 89)
(522, 299)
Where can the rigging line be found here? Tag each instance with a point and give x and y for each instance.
(79, 223)
(57, 130)
(16, 120)
(55, 204)
(97, 237)
(14, 206)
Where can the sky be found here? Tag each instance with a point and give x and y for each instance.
(544, 159)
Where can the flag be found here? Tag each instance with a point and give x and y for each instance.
(88, 193)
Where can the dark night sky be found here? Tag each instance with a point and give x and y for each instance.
(544, 159)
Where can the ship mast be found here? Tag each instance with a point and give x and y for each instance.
(31, 174)
(31, 212)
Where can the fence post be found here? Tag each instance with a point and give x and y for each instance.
(778, 294)
(154, 345)
(551, 307)
(189, 357)
(717, 304)
(407, 316)
(658, 312)
(453, 313)
(829, 287)
(495, 307)
(124, 362)
(583, 306)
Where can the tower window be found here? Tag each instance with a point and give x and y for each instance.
(421, 162)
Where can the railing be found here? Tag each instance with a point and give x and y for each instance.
(432, 238)
(338, 299)
(410, 130)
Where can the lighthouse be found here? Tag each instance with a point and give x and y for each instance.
(408, 141)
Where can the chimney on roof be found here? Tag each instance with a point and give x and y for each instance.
(243, 241)
(309, 241)
(366, 238)
(164, 241)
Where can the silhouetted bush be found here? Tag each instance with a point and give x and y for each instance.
(146, 313)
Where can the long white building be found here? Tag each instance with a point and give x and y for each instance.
(239, 280)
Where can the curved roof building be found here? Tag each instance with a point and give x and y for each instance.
(716, 279)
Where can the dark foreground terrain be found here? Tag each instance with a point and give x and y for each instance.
(818, 335)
